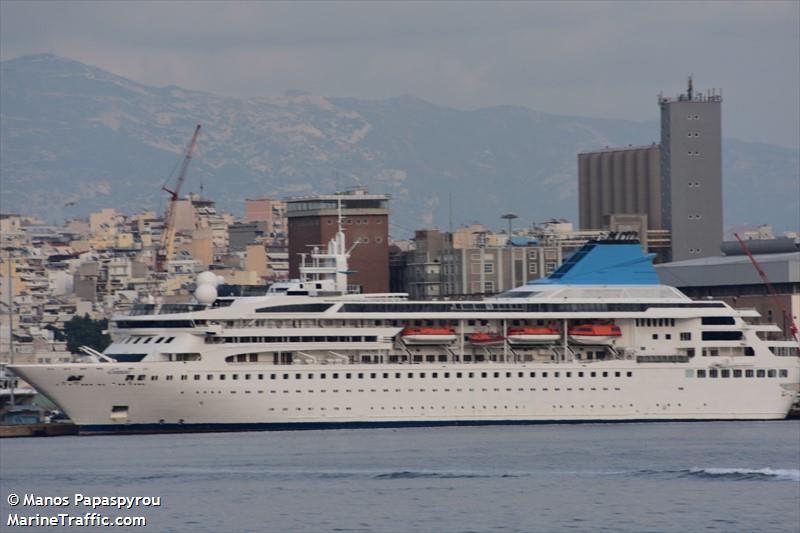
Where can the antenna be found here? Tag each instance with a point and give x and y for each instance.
(689, 89)
(339, 211)
(450, 214)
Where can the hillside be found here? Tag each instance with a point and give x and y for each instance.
(71, 132)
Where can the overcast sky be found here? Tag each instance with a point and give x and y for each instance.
(578, 58)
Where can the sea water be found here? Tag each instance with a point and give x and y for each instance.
(715, 476)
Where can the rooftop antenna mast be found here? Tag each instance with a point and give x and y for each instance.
(690, 88)
(450, 213)
(339, 211)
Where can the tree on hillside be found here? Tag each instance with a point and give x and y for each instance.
(83, 331)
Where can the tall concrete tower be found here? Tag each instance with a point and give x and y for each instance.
(691, 172)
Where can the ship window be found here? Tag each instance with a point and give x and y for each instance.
(761, 373)
(737, 373)
(686, 336)
(569, 374)
(748, 373)
(78, 378)
(593, 374)
(222, 377)
(605, 374)
(311, 376)
(348, 375)
(725, 373)
(497, 374)
(322, 376)
(286, 376)
(422, 374)
(297, 376)
(209, 377)
(771, 373)
(140, 377)
(533, 374)
(159, 340)
(544, 374)
(783, 373)
(556, 374)
(717, 321)
(629, 374)
(713, 373)
(434, 375)
(701, 373)
(655, 336)
(335, 375)
(148, 339)
(153, 378)
(247, 376)
(617, 374)
(483, 374)
(184, 377)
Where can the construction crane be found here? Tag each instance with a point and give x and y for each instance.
(787, 317)
(167, 244)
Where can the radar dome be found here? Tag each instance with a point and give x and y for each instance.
(205, 294)
(207, 278)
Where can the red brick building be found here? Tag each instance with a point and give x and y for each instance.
(313, 221)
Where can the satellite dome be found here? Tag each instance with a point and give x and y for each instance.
(205, 294)
(207, 278)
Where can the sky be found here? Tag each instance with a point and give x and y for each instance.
(598, 59)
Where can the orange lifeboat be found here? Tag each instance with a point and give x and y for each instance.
(533, 335)
(594, 333)
(426, 335)
(486, 339)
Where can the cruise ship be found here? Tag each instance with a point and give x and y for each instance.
(599, 340)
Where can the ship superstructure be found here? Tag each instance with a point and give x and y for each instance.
(599, 340)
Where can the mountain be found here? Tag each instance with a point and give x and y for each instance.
(70, 132)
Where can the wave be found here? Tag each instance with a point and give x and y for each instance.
(778, 474)
(405, 474)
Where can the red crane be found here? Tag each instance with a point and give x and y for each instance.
(795, 331)
(167, 244)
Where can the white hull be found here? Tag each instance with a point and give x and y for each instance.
(658, 392)
(533, 339)
(593, 340)
(427, 340)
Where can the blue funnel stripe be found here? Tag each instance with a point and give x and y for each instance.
(605, 263)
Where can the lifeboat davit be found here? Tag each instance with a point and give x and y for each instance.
(486, 339)
(428, 335)
(594, 333)
(533, 335)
